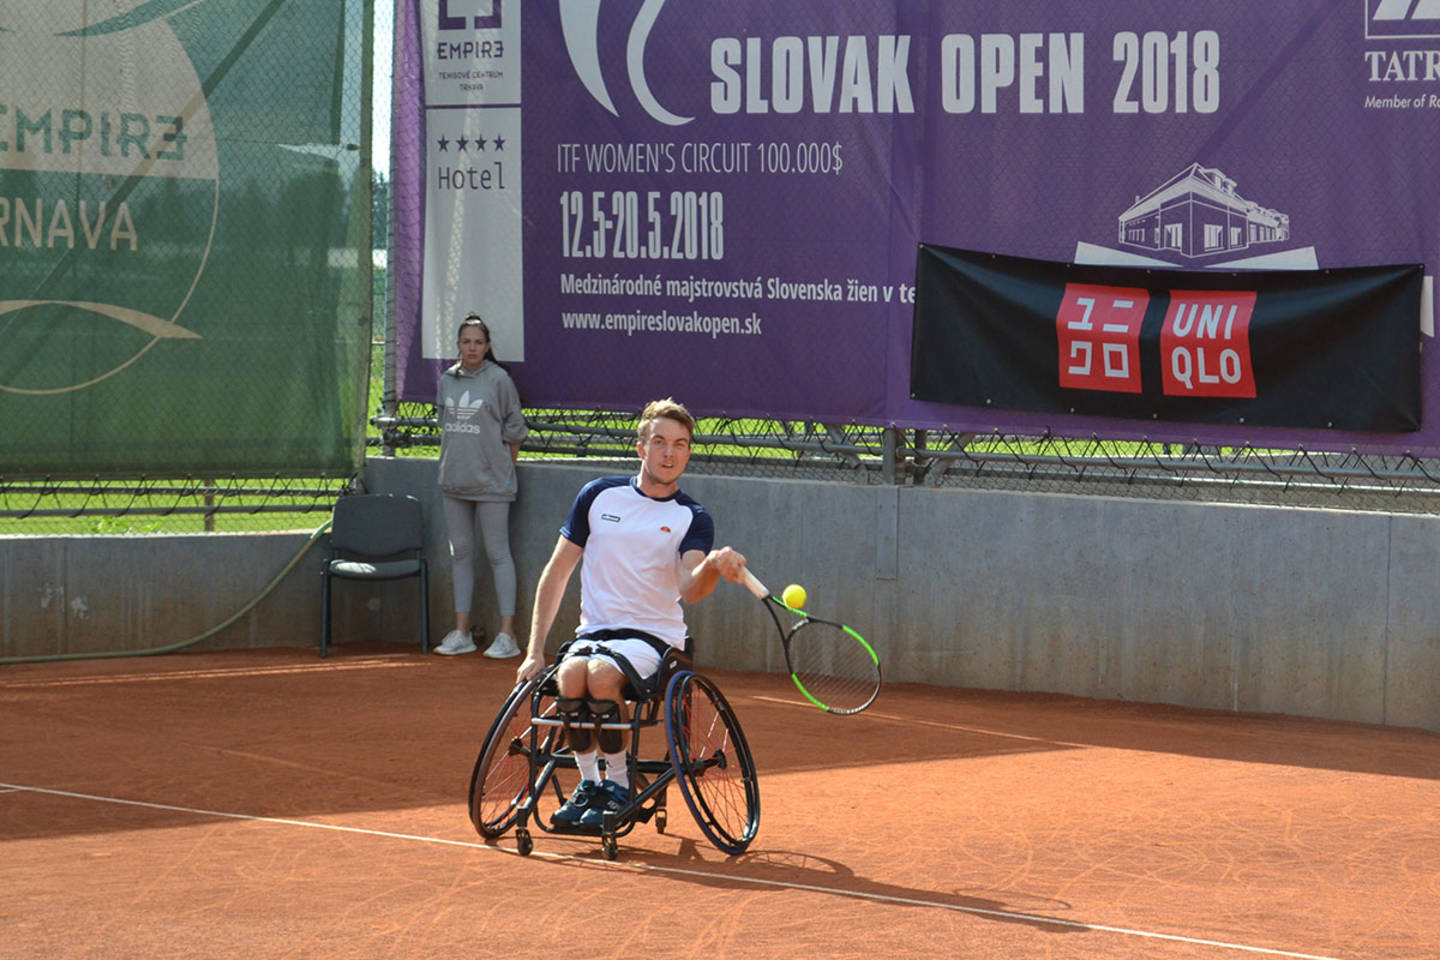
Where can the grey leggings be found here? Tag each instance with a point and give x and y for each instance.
(495, 528)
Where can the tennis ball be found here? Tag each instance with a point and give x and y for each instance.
(794, 596)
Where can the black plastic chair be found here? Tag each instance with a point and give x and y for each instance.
(376, 537)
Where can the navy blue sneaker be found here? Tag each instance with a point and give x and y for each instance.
(609, 798)
(572, 811)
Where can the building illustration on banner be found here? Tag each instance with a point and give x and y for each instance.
(1197, 213)
(1198, 218)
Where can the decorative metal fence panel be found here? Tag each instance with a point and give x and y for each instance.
(782, 449)
(851, 453)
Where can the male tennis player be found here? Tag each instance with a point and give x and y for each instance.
(646, 547)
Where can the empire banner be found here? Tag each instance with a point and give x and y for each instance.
(723, 201)
(180, 238)
(1334, 349)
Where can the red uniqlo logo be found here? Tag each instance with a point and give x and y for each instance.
(1099, 332)
(1205, 344)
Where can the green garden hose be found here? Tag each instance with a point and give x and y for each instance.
(171, 648)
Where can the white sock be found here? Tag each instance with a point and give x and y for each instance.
(615, 769)
(589, 764)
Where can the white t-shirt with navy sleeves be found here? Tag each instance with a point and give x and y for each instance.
(629, 576)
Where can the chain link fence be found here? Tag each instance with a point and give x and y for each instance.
(840, 453)
(852, 453)
(844, 453)
(755, 448)
(1169, 471)
(181, 505)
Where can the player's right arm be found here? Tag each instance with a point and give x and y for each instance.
(548, 594)
(700, 572)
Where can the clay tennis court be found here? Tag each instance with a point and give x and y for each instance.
(270, 804)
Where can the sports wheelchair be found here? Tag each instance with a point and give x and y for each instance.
(516, 780)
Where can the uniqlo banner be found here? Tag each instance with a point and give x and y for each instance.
(1337, 349)
(723, 201)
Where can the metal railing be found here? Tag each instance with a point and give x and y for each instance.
(1093, 466)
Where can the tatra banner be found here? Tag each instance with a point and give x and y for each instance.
(1334, 349)
(723, 201)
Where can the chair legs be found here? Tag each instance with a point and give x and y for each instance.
(325, 612)
(325, 615)
(424, 608)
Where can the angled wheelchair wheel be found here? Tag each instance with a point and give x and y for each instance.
(712, 762)
(500, 781)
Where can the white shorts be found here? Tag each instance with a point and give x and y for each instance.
(642, 656)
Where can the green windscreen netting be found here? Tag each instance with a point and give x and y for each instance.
(184, 237)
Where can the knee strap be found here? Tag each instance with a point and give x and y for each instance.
(642, 687)
(575, 710)
(607, 711)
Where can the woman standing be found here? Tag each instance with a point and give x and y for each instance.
(481, 428)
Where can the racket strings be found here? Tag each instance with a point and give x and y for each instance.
(834, 667)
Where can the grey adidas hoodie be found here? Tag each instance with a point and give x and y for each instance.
(479, 415)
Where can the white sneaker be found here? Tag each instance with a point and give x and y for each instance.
(456, 642)
(503, 648)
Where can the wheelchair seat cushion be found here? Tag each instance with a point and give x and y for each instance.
(613, 645)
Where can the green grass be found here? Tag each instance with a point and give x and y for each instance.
(121, 511)
(121, 519)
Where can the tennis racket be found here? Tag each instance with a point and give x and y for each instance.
(832, 665)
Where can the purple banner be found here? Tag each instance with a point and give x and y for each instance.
(723, 202)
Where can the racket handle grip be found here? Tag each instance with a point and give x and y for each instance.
(753, 584)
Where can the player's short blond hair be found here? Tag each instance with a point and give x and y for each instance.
(667, 409)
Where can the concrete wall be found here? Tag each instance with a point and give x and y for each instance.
(91, 594)
(1298, 611)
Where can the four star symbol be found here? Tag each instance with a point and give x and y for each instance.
(463, 144)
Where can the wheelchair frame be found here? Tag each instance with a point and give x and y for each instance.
(706, 753)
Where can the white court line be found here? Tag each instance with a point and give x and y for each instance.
(943, 725)
(685, 872)
(219, 673)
